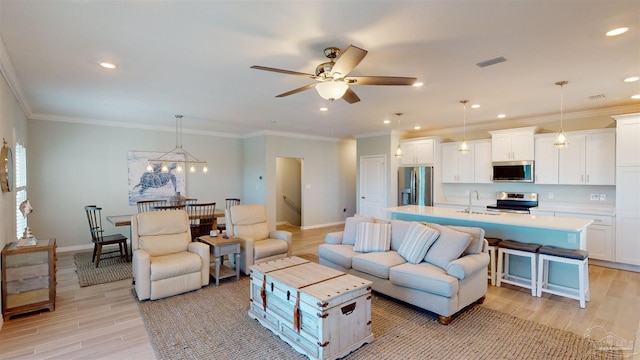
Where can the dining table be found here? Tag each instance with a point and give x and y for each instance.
(125, 220)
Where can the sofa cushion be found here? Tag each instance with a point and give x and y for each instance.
(448, 247)
(338, 254)
(398, 230)
(477, 237)
(425, 277)
(173, 265)
(377, 263)
(371, 237)
(350, 228)
(417, 242)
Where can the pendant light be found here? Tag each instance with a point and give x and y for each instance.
(399, 153)
(464, 147)
(561, 138)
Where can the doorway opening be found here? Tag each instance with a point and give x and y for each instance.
(289, 191)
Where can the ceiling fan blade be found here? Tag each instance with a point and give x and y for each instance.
(380, 80)
(350, 96)
(295, 91)
(289, 72)
(348, 60)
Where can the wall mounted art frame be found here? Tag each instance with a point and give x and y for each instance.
(145, 185)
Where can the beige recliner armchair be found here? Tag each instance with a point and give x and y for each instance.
(257, 243)
(165, 261)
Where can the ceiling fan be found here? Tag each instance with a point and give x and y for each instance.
(332, 80)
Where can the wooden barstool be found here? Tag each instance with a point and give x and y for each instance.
(548, 254)
(506, 248)
(493, 257)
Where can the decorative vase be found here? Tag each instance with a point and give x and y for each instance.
(177, 199)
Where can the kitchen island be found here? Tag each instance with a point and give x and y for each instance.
(564, 232)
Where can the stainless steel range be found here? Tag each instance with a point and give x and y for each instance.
(513, 202)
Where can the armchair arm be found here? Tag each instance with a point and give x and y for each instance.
(203, 251)
(334, 237)
(468, 264)
(284, 235)
(141, 266)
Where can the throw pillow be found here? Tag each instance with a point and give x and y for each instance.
(417, 242)
(350, 227)
(477, 238)
(371, 237)
(448, 247)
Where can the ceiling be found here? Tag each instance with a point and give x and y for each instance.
(194, 57)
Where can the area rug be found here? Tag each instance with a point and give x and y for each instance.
(212, 323)
(111, 268)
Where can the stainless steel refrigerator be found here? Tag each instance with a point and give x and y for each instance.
(415, 185)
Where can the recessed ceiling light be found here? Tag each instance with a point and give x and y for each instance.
(417, 84)
(501, 116)
(616, 32)
(632, 79)
(475, 106)
(387, 121)
(417, 127)
(324, 109)
(635, 97)
(107, 65)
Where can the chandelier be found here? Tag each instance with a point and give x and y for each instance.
(464, 147)
(178, 155)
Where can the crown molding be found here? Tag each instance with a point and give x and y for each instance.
(9, 73)
(291, 135)
(120, 124)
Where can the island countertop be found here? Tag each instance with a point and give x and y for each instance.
(523, 220)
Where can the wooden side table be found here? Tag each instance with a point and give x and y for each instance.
(220, 247)
(28, 278)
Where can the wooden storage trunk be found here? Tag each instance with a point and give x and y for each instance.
(321, 312)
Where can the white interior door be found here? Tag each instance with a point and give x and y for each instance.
(373, 185)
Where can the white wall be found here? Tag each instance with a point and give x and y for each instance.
(328, 178)
(13, 127)
(71, 165)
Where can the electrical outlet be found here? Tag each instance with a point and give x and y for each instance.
(595, 197)
(603, 197)
(550, 195)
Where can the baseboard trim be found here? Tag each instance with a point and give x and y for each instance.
(614, 265)
(321, 225)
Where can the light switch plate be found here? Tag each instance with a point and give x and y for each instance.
(595, 197)
(603, 197)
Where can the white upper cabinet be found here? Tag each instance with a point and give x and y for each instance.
(513, 144)
(482, 162)
(589, 159)
(472, 167)
(546, 159)
(628, 132)
(418, 151)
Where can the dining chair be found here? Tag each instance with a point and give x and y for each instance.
(229, 202)
(168, 207)
(99, 239)
(148, 205)
(201, 218)
(190, 201)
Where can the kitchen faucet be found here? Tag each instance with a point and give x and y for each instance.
(477, 197)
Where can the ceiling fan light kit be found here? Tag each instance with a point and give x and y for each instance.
(332, 76)
(331, 90)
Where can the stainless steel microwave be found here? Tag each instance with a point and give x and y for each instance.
(512, 171)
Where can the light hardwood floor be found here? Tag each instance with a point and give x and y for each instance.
(103, 322)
